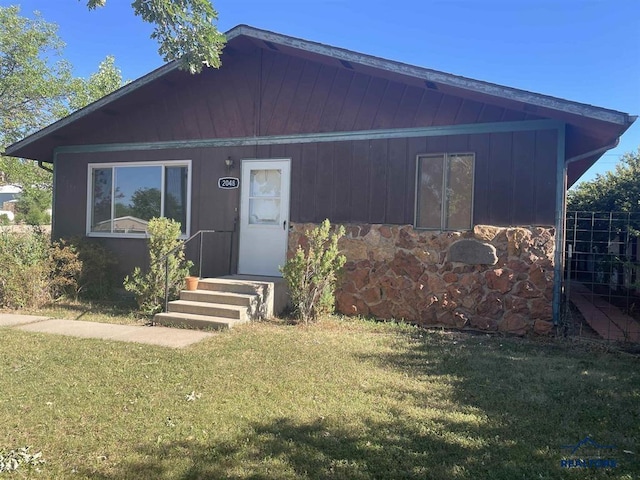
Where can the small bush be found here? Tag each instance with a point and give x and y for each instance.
(149, 288)
(32, 206)
(312, 273)
(66, 270)
(4, 220)
(97, 279)
(25, 269)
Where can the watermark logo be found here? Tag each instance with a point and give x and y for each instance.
(588, 453)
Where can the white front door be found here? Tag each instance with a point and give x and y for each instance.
(264, 216)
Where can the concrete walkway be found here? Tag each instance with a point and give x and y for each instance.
(162, 336)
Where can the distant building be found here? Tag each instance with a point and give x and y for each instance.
(7, 194)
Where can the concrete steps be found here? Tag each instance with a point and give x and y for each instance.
(220, 303)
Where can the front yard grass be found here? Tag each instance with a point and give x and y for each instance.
(345, 399)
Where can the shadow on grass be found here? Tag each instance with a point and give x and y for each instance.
(505, 409)
(285, 449)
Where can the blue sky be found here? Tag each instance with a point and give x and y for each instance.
(582, 50)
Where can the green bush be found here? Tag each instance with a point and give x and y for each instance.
(149, 288)
(312, 273)
(25, 269)
(34, 272)
(32, 206)
(97, 278)
(66, 269)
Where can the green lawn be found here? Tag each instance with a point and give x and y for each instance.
(343, 399)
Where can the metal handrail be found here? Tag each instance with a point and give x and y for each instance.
(165, 258)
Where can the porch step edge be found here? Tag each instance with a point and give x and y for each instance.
(190, 320)
(214, 296)
(236, 312)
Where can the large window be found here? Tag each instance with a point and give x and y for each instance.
(123, 197)
(444, 191)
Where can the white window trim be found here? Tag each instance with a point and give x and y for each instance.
(446, 156)
(163, 163)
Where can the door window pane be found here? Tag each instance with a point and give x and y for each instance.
(265, 183)
(264, 196)
(264, 211)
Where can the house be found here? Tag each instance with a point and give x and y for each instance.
(8, 194)
(451, 189)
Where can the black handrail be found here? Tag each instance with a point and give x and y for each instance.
(165, 258)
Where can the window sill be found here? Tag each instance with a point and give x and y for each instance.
(142, 236)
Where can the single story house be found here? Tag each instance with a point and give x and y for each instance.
(452, 190)
(8, 193)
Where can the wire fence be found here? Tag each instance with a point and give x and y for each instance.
(602, 275)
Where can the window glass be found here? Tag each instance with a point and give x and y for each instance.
(430, 173)
(444, 197)
(459, 190)
(265, 183)
(124, 198)
(264, 196)
(101, 200)
(175, 197)
(137, 198)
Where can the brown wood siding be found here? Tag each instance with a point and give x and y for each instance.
(374, 181)
(264, 93)
(367, 181)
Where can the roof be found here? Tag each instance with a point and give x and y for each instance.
(598, 126)
(10, 189)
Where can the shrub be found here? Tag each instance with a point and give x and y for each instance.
(32, 206)
(312, 273)
(164, 252)
(66, 270)
(97, 278)
(24, 269)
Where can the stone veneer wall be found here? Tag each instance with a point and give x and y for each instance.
(491, 278)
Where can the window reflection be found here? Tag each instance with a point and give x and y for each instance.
(445, 191)
(135, 195)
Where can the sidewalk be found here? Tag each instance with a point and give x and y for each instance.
(162, 336)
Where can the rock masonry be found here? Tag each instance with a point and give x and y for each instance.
(491, 278)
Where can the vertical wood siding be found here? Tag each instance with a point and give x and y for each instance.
(262, 92)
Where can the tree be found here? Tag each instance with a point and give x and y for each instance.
(183, 28)
(82, 91)
(37, 88)
(33, 75)
(617, 191)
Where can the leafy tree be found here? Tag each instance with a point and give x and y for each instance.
(33, 76)
(33, 83)
(617, 191)
(32, 206)
(183, 28)
(82, 91)
(36, 88)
